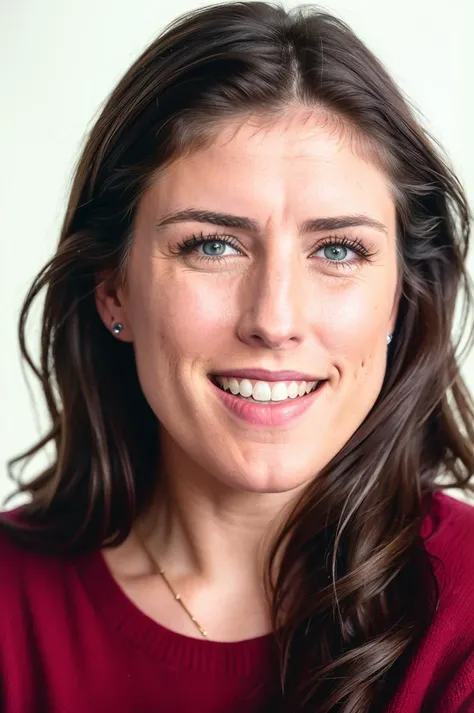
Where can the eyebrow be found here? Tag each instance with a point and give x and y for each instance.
(227, 220)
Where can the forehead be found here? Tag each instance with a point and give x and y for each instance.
(298, 165)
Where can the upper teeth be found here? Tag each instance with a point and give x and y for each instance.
(263, 391)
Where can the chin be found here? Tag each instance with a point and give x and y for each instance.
(269, 482)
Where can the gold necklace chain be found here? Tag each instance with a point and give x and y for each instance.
(175, 594)
(178, 599)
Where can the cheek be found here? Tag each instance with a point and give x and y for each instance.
(182, 317)
(356, 336)
(354, 321)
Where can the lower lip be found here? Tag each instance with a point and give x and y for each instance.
(277, 414)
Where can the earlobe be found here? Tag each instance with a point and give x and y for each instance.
(110, 308)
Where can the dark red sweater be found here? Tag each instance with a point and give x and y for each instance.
(72, 642)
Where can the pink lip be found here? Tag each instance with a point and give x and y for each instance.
(265, 375)
(277, 414)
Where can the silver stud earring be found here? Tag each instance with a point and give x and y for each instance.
(117, 327)
(389, 338)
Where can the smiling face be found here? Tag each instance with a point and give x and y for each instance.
(286, 293)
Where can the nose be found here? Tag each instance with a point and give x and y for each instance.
(274, 304)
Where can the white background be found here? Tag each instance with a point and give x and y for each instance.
(60, 59)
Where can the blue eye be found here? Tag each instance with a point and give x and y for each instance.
(214, 245)
(334, 257)
(336, 252)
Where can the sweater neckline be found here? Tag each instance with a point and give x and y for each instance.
(236, 657)
(119, 611)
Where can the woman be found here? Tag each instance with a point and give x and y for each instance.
(248, 361)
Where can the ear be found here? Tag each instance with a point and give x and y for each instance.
(110, 303)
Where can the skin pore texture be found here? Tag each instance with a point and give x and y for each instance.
(274, 299)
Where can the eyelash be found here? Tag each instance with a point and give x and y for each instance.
(188, 246)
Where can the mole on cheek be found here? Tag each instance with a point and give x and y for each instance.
(361, 369)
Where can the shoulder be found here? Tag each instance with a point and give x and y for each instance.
(440, 676)
(37, 592)
(448, 515)
(448, 534)
(23, 570)
(28, 586)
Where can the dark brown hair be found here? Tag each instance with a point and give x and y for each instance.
(354, 578)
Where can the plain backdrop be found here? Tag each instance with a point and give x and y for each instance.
(59, 61)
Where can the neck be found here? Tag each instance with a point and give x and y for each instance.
(212, 533)
(212, 542)
(201, 528)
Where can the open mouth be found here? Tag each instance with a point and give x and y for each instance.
(297, 392)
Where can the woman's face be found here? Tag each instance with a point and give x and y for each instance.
(288, 293)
